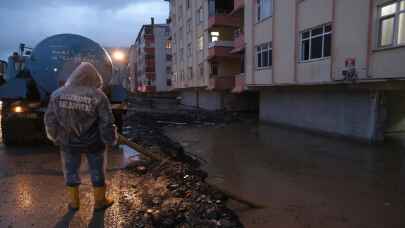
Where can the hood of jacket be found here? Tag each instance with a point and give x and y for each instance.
(85, 75)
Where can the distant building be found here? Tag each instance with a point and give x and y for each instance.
(150, 59)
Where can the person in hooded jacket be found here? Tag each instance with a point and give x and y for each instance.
(79, 120)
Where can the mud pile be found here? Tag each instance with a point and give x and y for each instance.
(171, 194)
(174, 195)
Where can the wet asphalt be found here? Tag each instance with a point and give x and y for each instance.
(304, 180)
(32, 191)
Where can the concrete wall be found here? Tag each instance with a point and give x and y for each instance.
(203, 99)
(284, 46)
(336, 112)
(213, 101)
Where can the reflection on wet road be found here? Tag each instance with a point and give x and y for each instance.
(32, 192)
(305, 180)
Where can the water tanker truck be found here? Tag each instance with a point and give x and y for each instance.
(32, 75)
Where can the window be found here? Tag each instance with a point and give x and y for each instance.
(201, 66)
(264, 9)
(392, 24)
(200, 43)
(180, 13)
(214, 69)
(168, 44)
(264, 55)
(188, 4)
(214, 36)
(190, 73)
(189, 50)
(316, 43)
(188, 27)
(181, 54)
(200, 14)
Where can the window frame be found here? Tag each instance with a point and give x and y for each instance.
(310, 37)
(259, 7)
(259, 51)
(396, 16)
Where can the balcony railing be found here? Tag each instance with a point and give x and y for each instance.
(220, 44)
(220, 49)
(223, 20)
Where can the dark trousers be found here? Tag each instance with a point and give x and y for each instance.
(71, 160)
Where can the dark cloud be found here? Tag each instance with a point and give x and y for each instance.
(113, 23)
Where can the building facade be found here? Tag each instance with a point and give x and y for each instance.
(334, 66)
(205, 59)
(150, 59)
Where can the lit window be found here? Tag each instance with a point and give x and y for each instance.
(168, 44)
(392, 24)
(200, 43)
(264, 55)
(316, 43)
(264, 9)
(214, 36)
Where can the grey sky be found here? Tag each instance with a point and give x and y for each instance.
(113, 23)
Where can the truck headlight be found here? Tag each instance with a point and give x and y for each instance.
(18, 109)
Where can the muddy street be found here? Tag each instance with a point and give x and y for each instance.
(305, 180)
(32, 191)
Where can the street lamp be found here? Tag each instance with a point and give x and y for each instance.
(119, 55)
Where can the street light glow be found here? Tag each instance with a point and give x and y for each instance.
(118, 55)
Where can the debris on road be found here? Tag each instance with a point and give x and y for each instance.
(169, 194)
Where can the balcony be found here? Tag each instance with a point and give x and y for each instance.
(221, 83)
(220, 49)
(238, 42)
(240, 83)
(224, 20)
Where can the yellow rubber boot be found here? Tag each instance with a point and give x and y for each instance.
(101, 202)
(73, 193)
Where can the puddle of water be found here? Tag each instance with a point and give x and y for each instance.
(129, 155)
(325, 176)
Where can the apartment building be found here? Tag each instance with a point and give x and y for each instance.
(150, 59)
(205, 59)
(335, 66)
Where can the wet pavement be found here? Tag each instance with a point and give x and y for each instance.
(32, 191)
(304, 180)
